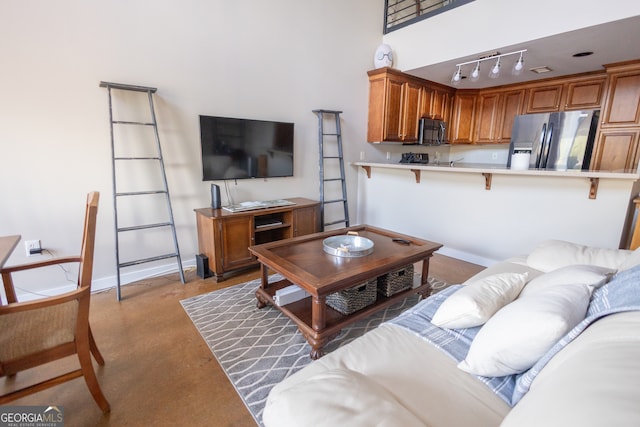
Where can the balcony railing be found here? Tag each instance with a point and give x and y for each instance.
(400, 13)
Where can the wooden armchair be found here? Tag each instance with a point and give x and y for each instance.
(36, 332)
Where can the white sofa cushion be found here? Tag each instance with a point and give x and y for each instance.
(339, 397)
(519, 334)
(590, 275)
(477, 301)
(631, 261)
(553, 254)
(420, 376)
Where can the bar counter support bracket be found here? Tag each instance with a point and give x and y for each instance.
(593, 191)
(487, 180)
(417, 173)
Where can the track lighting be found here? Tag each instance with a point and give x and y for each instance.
(475, 74)
(457, 77)
(494, 72)
(518, 66)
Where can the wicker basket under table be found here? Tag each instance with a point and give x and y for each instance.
(353, 299)
(396, 281)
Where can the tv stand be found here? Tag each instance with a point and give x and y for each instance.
(224, 236)
(249, 206)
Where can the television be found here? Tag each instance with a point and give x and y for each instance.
(243, 148)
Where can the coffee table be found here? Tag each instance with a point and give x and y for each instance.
(302, 261)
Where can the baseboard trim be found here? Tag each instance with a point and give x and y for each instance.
(466, 256)
(105, 283)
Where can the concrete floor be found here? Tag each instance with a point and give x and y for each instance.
(159, 371)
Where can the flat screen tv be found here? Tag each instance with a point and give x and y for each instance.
(243, 148)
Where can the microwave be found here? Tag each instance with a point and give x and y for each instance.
(432, 132)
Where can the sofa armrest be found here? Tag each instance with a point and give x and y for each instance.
(591, 383)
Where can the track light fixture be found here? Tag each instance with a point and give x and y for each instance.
(518, 66)
(494, 72)
(457, 77)
(475, 74)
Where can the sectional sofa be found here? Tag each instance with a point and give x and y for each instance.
(548, 339)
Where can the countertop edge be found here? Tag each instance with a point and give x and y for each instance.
(500, 170)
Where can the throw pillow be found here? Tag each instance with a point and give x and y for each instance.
(519, 334)
(476, 302)
(590, 275)
(553, 254)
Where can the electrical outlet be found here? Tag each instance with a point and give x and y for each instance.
(494, 156)
(362, 155)
(388, 155)
(33, 247)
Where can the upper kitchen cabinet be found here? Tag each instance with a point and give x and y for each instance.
(496, 113)
(543, 98)
(436, 102)
(463, 117)
(622, 107)
(584, 93)
(394, 106)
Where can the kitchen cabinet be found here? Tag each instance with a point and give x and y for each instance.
(462, 121)
(410, 112)
(544, 98)
(622, 107)
(436, 103)
(426, 97)
(487, 120)
(495, 115)
(394, 106)
(487, 115)
(224, 237)
(584, 94)
(616, 150)
(566, 94)
(617, 143)
(512, 105)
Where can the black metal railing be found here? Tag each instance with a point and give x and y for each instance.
(400, 13)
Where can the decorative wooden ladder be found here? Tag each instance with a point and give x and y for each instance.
(134, 163)
(334, 161)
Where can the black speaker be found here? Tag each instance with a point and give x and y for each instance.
(216, 203)
(202, 266)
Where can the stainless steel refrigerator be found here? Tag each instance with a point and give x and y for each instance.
(556, 141)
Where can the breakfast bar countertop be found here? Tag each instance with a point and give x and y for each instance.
(488, 170)
(491, 168)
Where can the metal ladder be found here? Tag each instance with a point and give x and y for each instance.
(135, 163)
(329, 161)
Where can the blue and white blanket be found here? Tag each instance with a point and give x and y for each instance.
(622, 293)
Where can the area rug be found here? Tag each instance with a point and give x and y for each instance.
(259, 348)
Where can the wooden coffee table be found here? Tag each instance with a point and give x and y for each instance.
(302, 261)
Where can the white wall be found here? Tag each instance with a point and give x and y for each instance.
(483, 25)
(485, 226)
(274, 60)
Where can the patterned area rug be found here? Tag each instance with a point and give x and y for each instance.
(259, 348)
